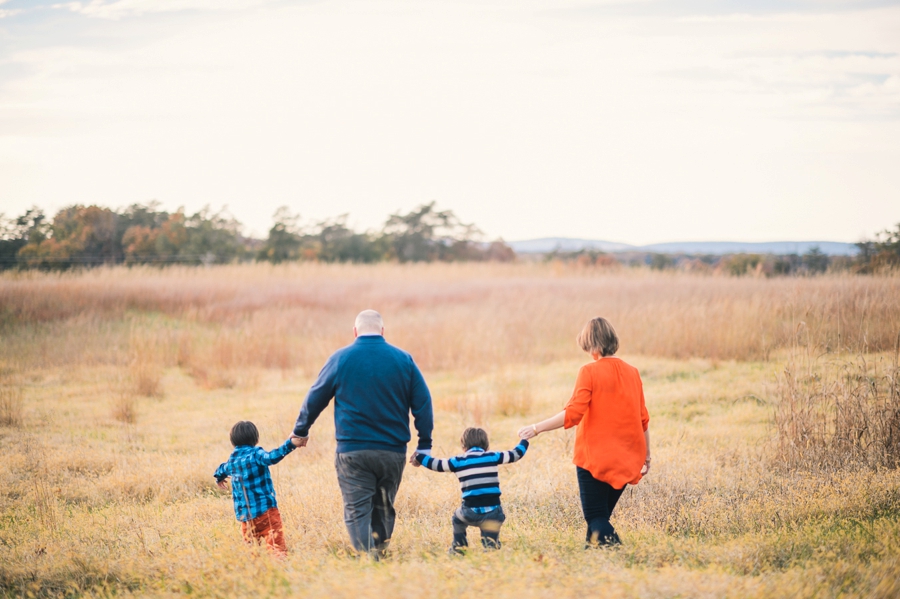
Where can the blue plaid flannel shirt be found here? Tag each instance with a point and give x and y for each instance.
(251, 483)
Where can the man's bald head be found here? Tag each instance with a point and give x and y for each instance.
(369, 322)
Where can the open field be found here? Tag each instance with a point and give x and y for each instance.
(119, 387)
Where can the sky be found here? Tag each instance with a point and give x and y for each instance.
(638, 121)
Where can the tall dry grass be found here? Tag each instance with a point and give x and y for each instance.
(11, 405)
(133, 378)
(470, 317)
(90, 506)
(839, 411)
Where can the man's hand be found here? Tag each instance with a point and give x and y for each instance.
(299, 441)
(222, 484)
(646, 467)
(413, 461)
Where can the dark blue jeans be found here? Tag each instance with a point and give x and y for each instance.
(598, 500)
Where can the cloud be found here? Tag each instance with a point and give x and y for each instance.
(118, 9)
(518, 120)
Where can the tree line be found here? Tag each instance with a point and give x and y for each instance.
(81, 235)
(144, 234)
(880, 254)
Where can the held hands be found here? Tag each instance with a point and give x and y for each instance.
(528, 432)
(413, 461)
(299, 441)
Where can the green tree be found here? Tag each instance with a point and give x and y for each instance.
(212, 238)
(285, 240)
(16, 233)
(338, 243)
(427, 234)
(815, 261)
(880, 253)
(661, 261)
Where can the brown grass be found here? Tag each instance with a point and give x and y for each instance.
(450, 317)
(145, 367)
(838, 411)
(124, 408)
(93, 506)
(11, 405)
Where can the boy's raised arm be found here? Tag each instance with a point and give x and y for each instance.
(268, 458)
(438, 465)
(515, 454)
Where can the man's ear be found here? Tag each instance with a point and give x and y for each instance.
(354, 333)
(382, 331)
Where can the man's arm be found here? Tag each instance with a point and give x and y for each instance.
(515, 454)
(317, 399)
(420, 406)
(269, 458)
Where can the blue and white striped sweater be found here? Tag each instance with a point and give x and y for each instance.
(477, 472)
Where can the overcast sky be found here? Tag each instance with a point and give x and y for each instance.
(634, 121)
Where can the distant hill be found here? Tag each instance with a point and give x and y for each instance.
(565, 244)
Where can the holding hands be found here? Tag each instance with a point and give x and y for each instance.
(533, 430)
(528, 432)
(299, 441)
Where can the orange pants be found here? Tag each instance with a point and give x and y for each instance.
(268, 528)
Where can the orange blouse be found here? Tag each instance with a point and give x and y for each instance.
(608, 408)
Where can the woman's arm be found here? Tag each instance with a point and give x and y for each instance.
(532, 430)
(646, 468)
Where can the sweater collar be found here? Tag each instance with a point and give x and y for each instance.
(369, 339)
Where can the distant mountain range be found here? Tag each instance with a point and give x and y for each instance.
(567, 244)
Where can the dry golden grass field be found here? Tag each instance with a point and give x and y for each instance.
(774, 404)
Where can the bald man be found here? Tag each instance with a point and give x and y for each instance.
(375, 387)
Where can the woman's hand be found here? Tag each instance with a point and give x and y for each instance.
(528, 432)
(646, 467)
(550, 424)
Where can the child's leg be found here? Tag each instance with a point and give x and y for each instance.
(266, 528)
(275, 533)
(248, 532)
(459, 530)
(490, 528)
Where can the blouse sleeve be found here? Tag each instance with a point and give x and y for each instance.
(645, 415)
(581, 398)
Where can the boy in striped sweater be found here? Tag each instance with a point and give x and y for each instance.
(476, 470)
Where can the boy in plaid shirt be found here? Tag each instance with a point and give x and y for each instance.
(251, 486)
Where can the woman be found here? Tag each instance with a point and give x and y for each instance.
(612, 442)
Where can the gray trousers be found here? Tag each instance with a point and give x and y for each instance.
(488, 523)
(369, 480)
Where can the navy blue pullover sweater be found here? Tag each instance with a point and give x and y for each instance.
(375, 386)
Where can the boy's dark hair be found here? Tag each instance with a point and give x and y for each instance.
(244, 433)
(474, 437)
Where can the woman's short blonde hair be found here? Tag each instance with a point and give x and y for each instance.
(599, 337)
